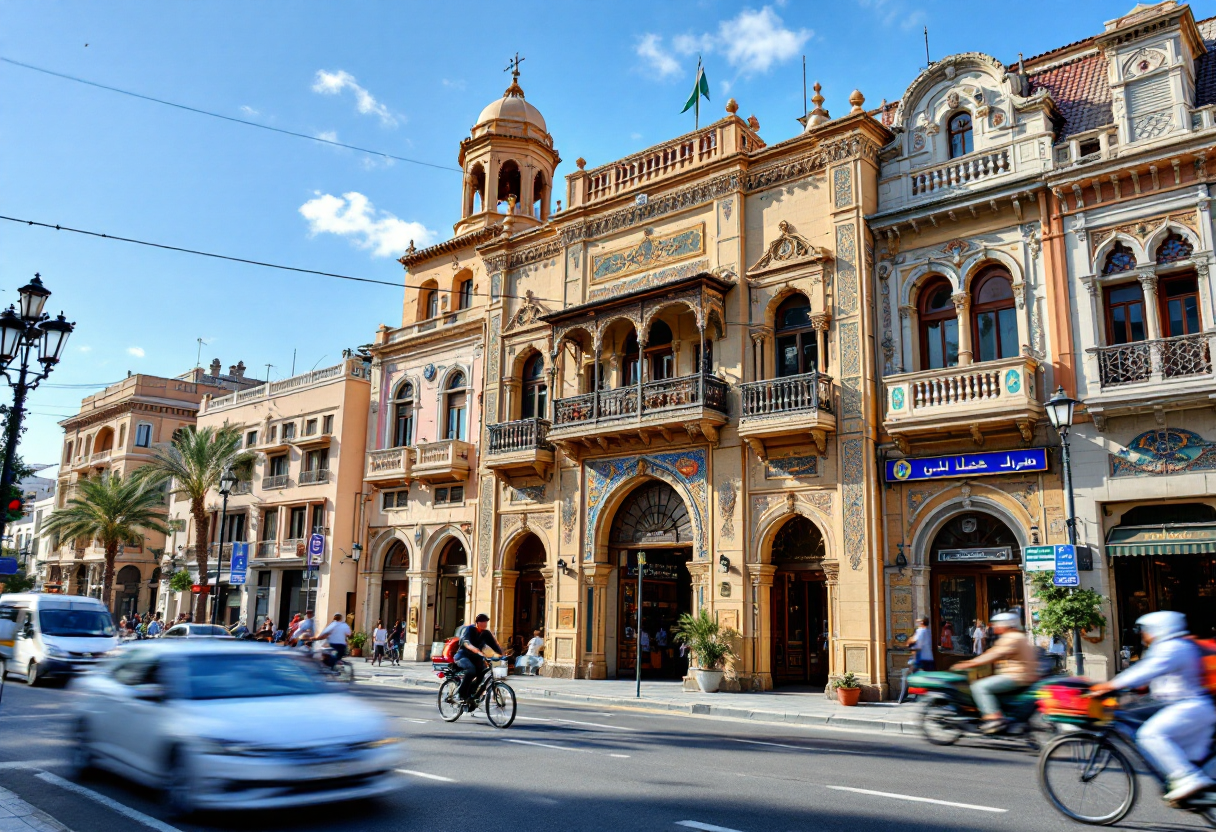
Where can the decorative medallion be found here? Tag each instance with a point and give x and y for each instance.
(1013, 381)
(688, 467)
(650, 252)
(897, 398)
(789, 247)
(428, 372)
(1164, 451)
(918, 141)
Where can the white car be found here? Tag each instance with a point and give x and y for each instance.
(230, 725)
(196, 631)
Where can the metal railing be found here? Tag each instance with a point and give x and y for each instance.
(656, 396)
(1181, 356)
(314, 477)
(271, 483)
(267, 548)
(520, 435)
(809, 392)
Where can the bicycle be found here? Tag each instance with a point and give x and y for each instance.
(341, 670)
(1092, 761)
(499, 698)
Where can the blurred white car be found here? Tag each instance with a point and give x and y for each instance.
(230, 725)
(196, 631)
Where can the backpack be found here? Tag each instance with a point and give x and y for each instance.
(1207, 649)
(450, 647)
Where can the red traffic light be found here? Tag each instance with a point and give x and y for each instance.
(14, 505)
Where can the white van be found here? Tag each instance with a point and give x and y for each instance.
(56, 635)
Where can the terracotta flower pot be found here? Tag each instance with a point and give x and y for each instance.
(356, 651)
(848, 696)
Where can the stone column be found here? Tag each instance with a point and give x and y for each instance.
(962, 306)
(762, 575)
(821, 323)
(831, 572)
(511, 409)
(1152, 317)
(909, 336)
(422, 596)
(591, 626)
(503, 611)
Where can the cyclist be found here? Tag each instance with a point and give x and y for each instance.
(471, 656)
(336, 632)
(1018, 669)
(1180, 732)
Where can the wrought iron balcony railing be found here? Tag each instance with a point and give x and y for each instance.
(655, 396)
(790, 394)
(518, 436)
(1142, 361)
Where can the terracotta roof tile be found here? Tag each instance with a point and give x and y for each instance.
(1205, 67)
(1081, 92)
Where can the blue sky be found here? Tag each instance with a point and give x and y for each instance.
(405, 78)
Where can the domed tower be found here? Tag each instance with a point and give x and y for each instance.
(508, 161)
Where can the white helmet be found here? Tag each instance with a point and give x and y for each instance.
(1007, 619)
(1163, 625)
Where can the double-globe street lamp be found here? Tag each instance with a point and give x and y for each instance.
(227, 483)
(26, 333)
(1061, 409)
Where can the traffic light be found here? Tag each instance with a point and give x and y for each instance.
(14, 505)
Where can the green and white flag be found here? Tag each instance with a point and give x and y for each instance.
(700, 88)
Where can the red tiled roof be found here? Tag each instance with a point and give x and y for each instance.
(1081, 92)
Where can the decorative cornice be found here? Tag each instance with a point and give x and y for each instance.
(689, 197)
(414, 256)
(851, 146)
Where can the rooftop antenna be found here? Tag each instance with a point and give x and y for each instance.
(804, 109)
(268, 366)
(319, 360)
(198, 359)
(293, 363)
(927, 61)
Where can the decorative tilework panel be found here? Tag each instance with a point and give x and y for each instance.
(853, 470)
(668, 275)
(485, 524)
(850, 397)
(526, 493)
(850, 349)
(728, 495)
(569, 505)
(846, 268)
(1164, 451)
(791, 466)
(842, 187)
(650, 252)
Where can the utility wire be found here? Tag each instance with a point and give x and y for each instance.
(189, 109)
(262, 263)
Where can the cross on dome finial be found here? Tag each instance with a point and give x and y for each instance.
(515, 90)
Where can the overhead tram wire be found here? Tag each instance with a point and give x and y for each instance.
(264, 264)
(246, 122)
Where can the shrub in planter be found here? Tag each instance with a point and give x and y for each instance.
(848, 689)
(357, 639)
(709, 644)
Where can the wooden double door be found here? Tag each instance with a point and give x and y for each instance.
(800, 628)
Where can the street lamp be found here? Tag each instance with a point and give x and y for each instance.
(227, 483)
(27, 333)
(1060, 410)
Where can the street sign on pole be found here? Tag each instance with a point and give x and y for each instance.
(1040, 558)
(8, 566)
(316, 550)
(239, 566)
(638, 633)
(1066, 566)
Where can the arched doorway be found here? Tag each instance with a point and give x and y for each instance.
(450, 603)
(127, 586)
(799, 605)
(395, 587)
(80, 584)
(976, 572)
(652, 519)
(529, 613)
(153, 589)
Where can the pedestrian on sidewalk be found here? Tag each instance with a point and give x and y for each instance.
(396, 642)
(922, 647)
(947, 643)
(379, 642)
(529, 663)
(979, 634)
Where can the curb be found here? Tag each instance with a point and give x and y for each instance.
(691, 709)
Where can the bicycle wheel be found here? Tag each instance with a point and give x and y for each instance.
(449, 702)
(1087, 778)
(500, 705)
(937, 717)
(345, 671)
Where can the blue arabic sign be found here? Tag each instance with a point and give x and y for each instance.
(238, 569)
(1066, 566)
(966, 465)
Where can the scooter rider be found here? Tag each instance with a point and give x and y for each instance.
(1181, 732)
(1017, 667)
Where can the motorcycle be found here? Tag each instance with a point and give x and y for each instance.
(948, 713)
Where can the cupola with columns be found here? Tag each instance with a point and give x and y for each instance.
(508, 163)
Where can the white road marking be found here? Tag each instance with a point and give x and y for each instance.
(410, 719)
(12, 764)
(704, 827)
(795, 747)
(620, 756)
(68, 785)
(548, 745)
(534, 718)
(424, 775)
(594, 724)
(916, 799)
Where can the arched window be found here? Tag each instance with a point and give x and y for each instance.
(797, 342)
(430, 302)
(457, 408)
(539, 196)
(508, 185)
(959, 130)
(629, 367)
(67, 454)
(477, 184)
(659, 354)
(993, 316)
(1173, 248)
(1120, 259)
(535, 391)
(403, 416)
(938, 327)
(464, 293)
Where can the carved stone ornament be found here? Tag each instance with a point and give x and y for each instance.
(529, 313)
(952, 99)
(788, 249)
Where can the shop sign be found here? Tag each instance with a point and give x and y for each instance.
(984, 464)
(1066, 566)
(1040, 558)
(659, 571)
(989, 553)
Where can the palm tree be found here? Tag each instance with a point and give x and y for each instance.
(113, 511)
(195, 460)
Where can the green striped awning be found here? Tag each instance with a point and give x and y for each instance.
(1164, 539)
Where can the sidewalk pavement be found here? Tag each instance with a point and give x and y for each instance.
(802, 707)
(18, 816)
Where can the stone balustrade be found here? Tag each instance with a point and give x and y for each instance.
(389, 463)
(973, 395)
(959, 172)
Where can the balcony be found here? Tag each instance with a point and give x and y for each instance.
(520, 448)
(788, 408)
(445, 461)
(959, 173)
(292, 547)
(267, 549)
(978, 399)
(242, 487)
(1170, 370)
(274, 483)
(667, 406)
(100, 457)
(389, 466)
(314, 477)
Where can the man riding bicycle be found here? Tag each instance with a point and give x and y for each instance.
(471, 656)
(1017, 668)
(336, 633)
(1180, 733)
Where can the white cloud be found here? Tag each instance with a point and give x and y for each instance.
(752, 42)
(328, 135)
(353, 216)
(454, 83)
(635, 136)
(650, 49)
(891, 12)
(84, 348)
(332, 83)
(249, 111)
(138, 352)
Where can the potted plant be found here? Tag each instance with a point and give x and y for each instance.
(709, 644)
(848, 689)
(357, 639)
